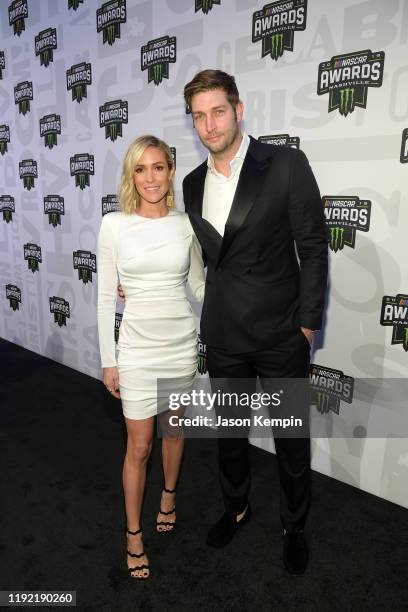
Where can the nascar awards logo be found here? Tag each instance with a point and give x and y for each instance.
(54, 208)
(85, 263)
(73, 4)
(108, 20)
(82, 167)
(60, 309)
(32, 254)
(329, 387)
(394, 313)
(156, 56)
(112, 115)
(13, 294)
(50, 127)
(110, 203)
(28, 172)
(281, 139)
(347, 79)
(18, 11)
(205, 5)
(404, 147)
(118, 321)
(45, 43)
(276, 23)
(2, 63)
(79, 77)
(344, 216)
(7, 207)
(23, 93)
(4, 138)
(202, 356)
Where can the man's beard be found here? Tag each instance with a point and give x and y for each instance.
(225, 143)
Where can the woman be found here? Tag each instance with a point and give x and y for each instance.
(153, 249)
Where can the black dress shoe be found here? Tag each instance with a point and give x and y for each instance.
(295, 552)
(224, 530)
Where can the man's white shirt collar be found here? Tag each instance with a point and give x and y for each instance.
(238, 159)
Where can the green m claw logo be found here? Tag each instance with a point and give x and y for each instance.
(347, 101)
(33, 265)
(202, 363)
(3, 147)
(207, 6)
(24, 107)
(50, 140)
(74, 4)
(336, 238)
(276, 46)
(59, 318)
(14, 304)
(85, 275)
(156, 74)
(323, 403)
(405, 340)
(7, 216)
(54, 219)
(79, 92)
(111, 32)
(45, 57)
(81, 180)
(18, 27)
(28, 182)
(112, 130)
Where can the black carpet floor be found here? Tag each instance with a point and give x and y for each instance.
(62, 443)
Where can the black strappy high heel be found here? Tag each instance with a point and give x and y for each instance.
(170, 524)
(137, 556)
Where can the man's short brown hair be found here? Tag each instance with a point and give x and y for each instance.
(206, 80)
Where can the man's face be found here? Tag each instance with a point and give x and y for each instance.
(216, 121)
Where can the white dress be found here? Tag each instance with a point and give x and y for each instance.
(154, 258)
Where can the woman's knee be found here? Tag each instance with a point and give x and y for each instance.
(138, 451)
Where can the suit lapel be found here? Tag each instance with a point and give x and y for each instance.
(249, 183)
(197, 190)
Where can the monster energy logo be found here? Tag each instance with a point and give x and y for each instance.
(32, 254)
(50, 140)
(79, 92)
(3, 147)
(45, 42)
(4, 138)
(82, 180)
(24, 106)
(323, 404)
(205, 5)
(2, 63)
(18, 11)
(73, 4)
(54, 208)
(336, 238)
(28, 182)
(156, 73)
(112, 116)
(276, 46)
(346, 101)
(45, 57)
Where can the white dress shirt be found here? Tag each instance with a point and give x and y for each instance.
(219, 190)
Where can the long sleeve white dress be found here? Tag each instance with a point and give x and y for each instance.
(153, 258)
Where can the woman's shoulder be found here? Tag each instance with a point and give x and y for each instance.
(183, 217)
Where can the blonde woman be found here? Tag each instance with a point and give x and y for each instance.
(152, 249)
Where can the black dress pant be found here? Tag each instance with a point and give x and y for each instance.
(289, 359)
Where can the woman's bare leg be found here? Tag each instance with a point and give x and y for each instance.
(172, 453)
(139, 445)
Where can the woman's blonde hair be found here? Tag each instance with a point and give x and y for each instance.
(128, 196)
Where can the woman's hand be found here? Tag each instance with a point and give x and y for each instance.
(111, 381)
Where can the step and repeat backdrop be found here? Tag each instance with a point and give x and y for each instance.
(80, 79)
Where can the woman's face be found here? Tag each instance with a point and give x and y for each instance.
(152, 176)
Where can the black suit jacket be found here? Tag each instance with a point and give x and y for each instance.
(257, 292)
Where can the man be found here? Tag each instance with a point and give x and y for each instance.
(250, 203)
